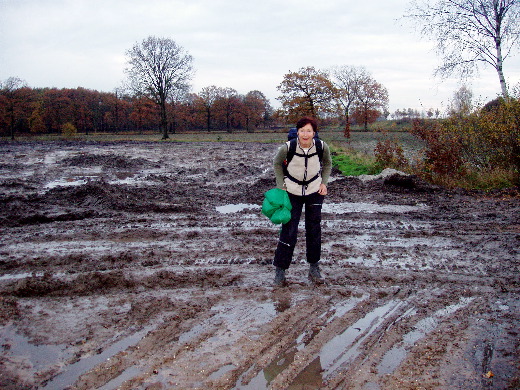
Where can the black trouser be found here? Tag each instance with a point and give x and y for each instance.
(288, 236)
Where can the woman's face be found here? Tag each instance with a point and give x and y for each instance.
(305, 135)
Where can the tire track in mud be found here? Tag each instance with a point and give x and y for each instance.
(321, 340)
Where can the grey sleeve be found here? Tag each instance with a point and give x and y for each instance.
(279, 158)
(326, 166)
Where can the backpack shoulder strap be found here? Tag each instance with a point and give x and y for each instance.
(291, 149)
(319, 148)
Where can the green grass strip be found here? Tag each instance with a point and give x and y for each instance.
(354, 164)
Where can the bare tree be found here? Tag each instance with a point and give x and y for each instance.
(348, 80)
(158, 68)
(469, 33)
(372, 101)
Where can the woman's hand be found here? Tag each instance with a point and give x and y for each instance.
(323, 189)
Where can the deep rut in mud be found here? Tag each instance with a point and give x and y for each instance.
(147, 266)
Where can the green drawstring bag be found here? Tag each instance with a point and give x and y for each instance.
(277, 206)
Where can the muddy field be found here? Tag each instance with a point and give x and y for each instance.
(147, 266)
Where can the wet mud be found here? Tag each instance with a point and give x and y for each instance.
(147, 266)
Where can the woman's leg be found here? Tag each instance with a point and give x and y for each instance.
(313, 205)
(289, 235)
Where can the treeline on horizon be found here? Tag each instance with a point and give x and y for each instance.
(46, 110)
(27, 110)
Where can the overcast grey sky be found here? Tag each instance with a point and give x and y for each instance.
(243, 44)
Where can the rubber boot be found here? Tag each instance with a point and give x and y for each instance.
(279, 277)
(314, 274)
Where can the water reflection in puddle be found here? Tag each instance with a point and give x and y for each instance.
(221, 371)
(39, 356)
(75, 370)
(344, 307)
(311, 377)
(23, 275)
(121, 177)
(68, 182)
(338, 351)
(344, 208)
(345, 347)
(235, 208)
(393, 358)
(60, 248)
(338, 208)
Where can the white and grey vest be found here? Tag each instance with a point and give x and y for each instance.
(303, 171)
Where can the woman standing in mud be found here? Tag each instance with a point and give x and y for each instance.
(302, 167)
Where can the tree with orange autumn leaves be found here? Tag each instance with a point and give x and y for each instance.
(351, 92)
(306, 92)
(224, 108)
(257, 109)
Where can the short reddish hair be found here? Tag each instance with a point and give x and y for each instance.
(305, 121)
